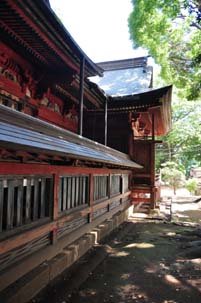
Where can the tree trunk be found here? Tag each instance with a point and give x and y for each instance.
(174, 187)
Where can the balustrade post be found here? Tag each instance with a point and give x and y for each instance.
(91, 197)
(55, 206)
(109, 190)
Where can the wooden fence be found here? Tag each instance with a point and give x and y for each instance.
(41, 204)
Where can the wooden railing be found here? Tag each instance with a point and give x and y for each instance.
(73, 192)
(100, 187)
(115, 187)
(24, 199)
(41, 204)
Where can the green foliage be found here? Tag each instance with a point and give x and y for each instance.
(171, 31)
(192, 185)
(172, 175)
(183, 143)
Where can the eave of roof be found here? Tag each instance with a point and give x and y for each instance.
(47, 31)
(95, 69)
(42, 136)
(147, 94)
(123, 64)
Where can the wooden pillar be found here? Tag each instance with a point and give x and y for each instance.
(153, 127)
(153, 195)
(106, 100)
(130, 136)
(109, 189)
(81, 96)
(56, 196)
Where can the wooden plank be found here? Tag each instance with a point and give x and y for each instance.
(64, 193)
(36, 199)
(28, 202)
(50, 200)
(109, 180)
(60, 194)
(76, 191)
(91, 195)
(1, 204)
(18, 240)
(72, 215)
(28, 169)
(56, 189)
(104, 183)
(138, 200)
(97, 187)
(73, 192)
(94, 192)
(43, 199)
(80, 190)
(100, 186)
(19, 214)
(84, 192)
(69, 186)
(10, 205)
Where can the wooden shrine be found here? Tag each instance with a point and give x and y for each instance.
(135, 120)
(71, 155)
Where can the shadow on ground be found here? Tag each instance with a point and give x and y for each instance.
(145, 266)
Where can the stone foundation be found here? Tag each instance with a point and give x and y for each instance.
(30, 284)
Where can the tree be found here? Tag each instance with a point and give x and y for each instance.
(172, 175)
(192, 185)
(183, 143)
(171, 31)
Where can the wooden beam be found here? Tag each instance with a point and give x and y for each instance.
(42, 169)
(91, 195)
(56, 198)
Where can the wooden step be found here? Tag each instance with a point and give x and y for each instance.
(141, 207)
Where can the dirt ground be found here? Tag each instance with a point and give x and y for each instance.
(154, 262)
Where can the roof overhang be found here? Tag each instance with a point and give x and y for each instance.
(142, 106)
(24, 21)
(41, 137)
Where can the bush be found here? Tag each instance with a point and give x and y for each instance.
(172, 175)
(192, 185)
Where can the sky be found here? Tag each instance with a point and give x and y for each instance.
(100, 27)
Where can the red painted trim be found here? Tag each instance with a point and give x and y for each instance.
(140, 200)
(55, 118)
(29, 235)
(29, 169)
